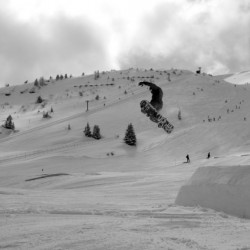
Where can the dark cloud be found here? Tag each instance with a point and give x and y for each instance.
(58, 46)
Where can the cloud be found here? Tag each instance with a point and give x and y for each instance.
(76, 37)
(57, 45)
(187, 34)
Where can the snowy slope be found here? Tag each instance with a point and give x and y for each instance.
(239, 78)
(221, 188)
(61, 190)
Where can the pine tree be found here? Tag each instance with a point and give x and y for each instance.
(39, 99)
(96, 133)
(36, 83)
(87, 131)
(46, 115)
(41, 81)
(9, 124)
(96, 74)
(130, 137)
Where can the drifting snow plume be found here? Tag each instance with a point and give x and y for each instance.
(224, 189)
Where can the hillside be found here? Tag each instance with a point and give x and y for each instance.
(57, 184)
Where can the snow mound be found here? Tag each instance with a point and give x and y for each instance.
(239, 78)
(224, 189)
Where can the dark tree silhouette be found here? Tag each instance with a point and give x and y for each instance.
(39, 99)
(130, 137)
(9, 124)
(96, 133)
(87, 131)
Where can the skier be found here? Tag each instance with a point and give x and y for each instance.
(157, 95)
(188, 159)
(208, 155)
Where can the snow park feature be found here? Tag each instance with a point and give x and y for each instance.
(225, 189)
(62, 188)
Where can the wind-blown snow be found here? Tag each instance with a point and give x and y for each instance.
(225, 189)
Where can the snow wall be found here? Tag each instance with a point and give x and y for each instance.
(224, 189)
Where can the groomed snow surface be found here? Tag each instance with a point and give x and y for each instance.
(61, 190)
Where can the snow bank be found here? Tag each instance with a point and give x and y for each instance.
(239, 78)
(224, 189)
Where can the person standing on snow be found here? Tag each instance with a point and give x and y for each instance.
(208, 155)
(157, 94)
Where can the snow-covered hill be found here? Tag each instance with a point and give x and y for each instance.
(239, 78)
(61, 190)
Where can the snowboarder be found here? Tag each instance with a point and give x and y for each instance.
(157, 94)
(188, 159)
(152, 108)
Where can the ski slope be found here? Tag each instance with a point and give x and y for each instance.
(239, 78)
(61, 190)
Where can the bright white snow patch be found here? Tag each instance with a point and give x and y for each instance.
(239, 78)
(224, 189)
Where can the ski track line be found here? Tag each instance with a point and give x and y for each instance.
(34, 154)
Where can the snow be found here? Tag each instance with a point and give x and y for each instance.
(61, 190)
(239, 78)
(224, 189)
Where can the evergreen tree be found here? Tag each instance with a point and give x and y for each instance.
(36, 83)
(9, 124)
(39, 99)
(41, 81)
(96, 74)
(87, 131)
(130, 137)
(96, 133)
(46, 115)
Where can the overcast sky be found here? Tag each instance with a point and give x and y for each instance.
(50, 37)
